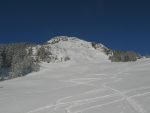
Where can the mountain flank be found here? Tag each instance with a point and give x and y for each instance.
(20, 59)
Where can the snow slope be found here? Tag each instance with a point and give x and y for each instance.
(85, 84)
(76, 49)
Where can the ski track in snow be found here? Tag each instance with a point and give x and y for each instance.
(138, 108)
(88, 74)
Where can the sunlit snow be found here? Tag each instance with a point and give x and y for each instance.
(88, 83)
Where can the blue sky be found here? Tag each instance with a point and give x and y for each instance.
(119, 24)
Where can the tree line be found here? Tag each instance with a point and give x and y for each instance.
(118, 55)
(20, 59)
(124, 56)
(16, 61)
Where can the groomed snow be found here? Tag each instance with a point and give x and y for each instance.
(101, 87)
(88, 83)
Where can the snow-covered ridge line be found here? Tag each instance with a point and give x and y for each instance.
(64, 48)
(73, 48)
(62, 38)
(20, 59)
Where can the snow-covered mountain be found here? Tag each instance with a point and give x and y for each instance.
(20, 59)
(75, 49)
(82, 81)
(64, 48)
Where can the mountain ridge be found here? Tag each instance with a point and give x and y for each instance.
(20, 59)
(73, 46)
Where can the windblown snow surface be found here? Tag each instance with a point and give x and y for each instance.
(90, 85)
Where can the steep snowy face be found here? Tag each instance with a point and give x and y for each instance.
(76, 49)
